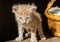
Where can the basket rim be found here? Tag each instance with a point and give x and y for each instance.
(53, 17)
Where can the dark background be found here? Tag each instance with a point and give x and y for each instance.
(8, 25)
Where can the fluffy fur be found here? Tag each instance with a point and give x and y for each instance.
(27, 18)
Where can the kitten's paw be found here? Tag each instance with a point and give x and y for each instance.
(33, 40)
(19, 39)
(44, 38)
(27, 34)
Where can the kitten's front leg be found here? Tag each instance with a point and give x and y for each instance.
(20, 37)
(33, 35)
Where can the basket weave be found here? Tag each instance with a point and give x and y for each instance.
(54, 24)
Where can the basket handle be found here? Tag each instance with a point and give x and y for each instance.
(49, 6)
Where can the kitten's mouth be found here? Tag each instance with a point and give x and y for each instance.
(24, 23)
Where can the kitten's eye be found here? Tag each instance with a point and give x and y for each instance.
(20, 17)
(28, 17)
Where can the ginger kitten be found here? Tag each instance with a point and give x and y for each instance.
(27, 18)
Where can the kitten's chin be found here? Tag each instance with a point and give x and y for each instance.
(22, 23)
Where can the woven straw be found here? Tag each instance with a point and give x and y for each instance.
(54, 24)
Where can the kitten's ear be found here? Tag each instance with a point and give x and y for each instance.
(14, 8)
(33, 7)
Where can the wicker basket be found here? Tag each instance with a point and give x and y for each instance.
(54, 24)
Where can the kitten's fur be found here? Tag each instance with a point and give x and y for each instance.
(28, 18)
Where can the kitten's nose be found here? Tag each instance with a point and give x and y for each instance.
(24, 21)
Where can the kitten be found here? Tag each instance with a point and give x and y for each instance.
(27, 18)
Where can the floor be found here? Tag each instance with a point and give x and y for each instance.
(52, 39)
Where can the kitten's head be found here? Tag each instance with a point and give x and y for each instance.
(24, 12)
